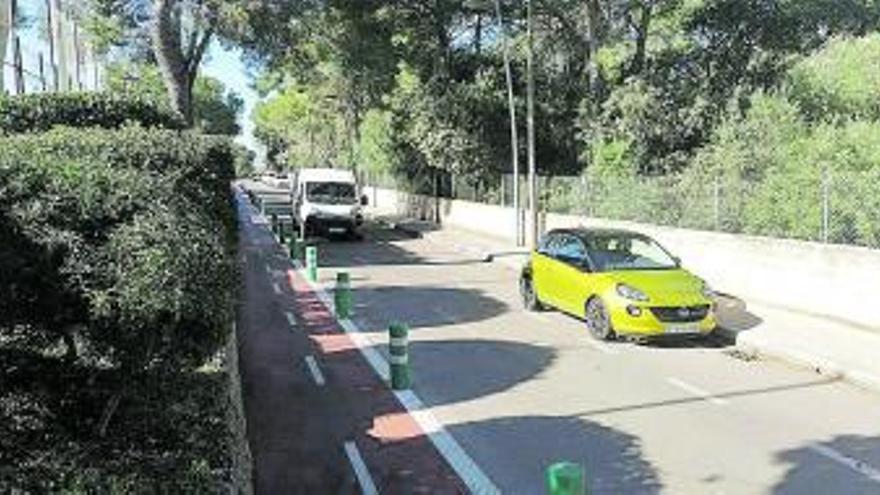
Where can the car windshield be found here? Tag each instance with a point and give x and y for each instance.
(625, 251)
(332, 193)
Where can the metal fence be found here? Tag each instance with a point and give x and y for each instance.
(840, 207)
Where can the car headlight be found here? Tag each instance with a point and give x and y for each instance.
(631, 293)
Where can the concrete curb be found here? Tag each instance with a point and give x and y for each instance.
(754, 345)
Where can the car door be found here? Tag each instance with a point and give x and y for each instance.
(572, 275)
(543, 268)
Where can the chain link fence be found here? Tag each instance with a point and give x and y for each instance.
(830, 206)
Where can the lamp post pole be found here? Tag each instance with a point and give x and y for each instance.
(530, 109)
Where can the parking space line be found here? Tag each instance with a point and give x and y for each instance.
(276, 288)
(317, 376)
(588, 340)
(687, 387)
(360, 469)
(291, 320)
(856, 465)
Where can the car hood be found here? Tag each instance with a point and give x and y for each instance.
(664, 287)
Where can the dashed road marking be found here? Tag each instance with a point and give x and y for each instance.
(693, 389)
(856, 465)
(291, 320)
(317, 376)
(276, 288)
(360, 469)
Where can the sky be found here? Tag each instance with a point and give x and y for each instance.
(227, 66)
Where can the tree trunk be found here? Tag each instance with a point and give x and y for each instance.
(594, 33)
(179, 65)
(5, 25)
(638, 63)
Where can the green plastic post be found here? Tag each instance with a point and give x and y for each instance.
(342, 295)
(398, 350)
(292, 245)
(566, 478)
(312, 263)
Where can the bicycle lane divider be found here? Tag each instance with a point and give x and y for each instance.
(405, 415)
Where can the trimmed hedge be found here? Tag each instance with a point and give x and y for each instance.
(138, 230)
(42, 111)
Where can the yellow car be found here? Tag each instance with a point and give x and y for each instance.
(620, 283)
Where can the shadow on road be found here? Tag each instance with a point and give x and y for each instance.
(820, 467)
(461, 370)
(733, 315)
(425, 306)
(727, 395)
(612, 459)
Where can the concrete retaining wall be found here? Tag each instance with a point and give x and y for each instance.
(839, 282)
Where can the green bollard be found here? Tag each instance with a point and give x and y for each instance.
(292, 245)
(566, 478)
(312, 263)
(342, 295)
(398, 349)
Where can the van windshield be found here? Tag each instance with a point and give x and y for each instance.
(331, 193)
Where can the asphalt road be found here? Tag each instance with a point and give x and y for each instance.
(521, 390)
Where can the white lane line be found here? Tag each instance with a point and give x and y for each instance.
(291, 320)
(360, 469)
(687, 387)
(467, 469)
(856, 465)
(588, 340)
(276, 288)
(315, 371)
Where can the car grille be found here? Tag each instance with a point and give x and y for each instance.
(681, 314)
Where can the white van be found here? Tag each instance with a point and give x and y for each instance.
(326, 201)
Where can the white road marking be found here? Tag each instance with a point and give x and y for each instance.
(856, 465)
(360, 469)
(588, 340)
(269, 270)
(467, 469)
(276, 288)
(315, 371)
(687, 387)
(291, 320)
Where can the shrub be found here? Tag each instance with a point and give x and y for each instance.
(137, 232)
(42, 111)
(840, 81)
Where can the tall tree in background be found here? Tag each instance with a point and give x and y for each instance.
(181, 32)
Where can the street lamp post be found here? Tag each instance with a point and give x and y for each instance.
(530, 109)
(514, 140)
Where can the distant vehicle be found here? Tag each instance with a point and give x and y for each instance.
(621, 283)
(325, 201)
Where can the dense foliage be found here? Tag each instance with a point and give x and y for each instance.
(762, 100)
(636, 86)
(117, 278)
(41, 111)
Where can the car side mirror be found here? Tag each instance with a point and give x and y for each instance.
(364, 200)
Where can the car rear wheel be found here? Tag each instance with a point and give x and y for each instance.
(529, 296)
(598, 320)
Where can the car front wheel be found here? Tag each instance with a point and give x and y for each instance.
(529, 296)
(598, 320)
